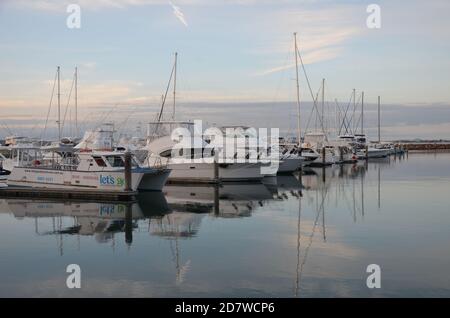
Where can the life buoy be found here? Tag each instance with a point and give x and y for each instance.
(36, 163)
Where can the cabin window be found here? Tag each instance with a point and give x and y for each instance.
(115, 161)
(166, 154)
(100, 162)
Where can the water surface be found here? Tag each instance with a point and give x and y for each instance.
(297, 236)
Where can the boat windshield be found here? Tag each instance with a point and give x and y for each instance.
(100, 161)
(115, 161)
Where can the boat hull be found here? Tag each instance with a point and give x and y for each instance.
(290, 165)
(204, 172)
(154, 181)
(111, 181)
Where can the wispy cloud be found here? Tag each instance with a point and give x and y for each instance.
(57, 5)
(180, 15)
(323, 34)
(310, 58)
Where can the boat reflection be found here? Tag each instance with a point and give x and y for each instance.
(177, 213)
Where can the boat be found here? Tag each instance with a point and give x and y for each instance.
(90, 171)
(291, 158)
(101, 139)
(195, 166)
(317, 141)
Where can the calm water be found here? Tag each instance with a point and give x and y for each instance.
(302, 236)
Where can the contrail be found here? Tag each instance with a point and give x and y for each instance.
(178, 14)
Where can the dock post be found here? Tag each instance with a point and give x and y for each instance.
(323, 155)
(216, 200)
(341, 154)
(367, 152)
(216, 167)
(128, 180)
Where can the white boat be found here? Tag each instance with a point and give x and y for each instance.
(343, 148)
(197, 169)
(317, 141)
(291, 158)
(102, 139)
(95, 171)
(373, 152)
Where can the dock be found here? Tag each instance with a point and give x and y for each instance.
(68, 194)
(425, 146)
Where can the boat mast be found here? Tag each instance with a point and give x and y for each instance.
(298, 90)
(323, 105)
(76, 101)
(379, 123)
(59, 105)
(354, 125)
(362, 113)
(174, 85)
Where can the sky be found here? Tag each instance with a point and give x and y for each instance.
(231, 54)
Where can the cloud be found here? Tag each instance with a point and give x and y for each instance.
(309, 58)
(58, 5)
(323, 34)
(180, 15)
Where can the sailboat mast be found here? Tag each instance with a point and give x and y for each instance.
(59, 105)
(76, 101)
(354, 125)
(323, 104)
(379, 121)
(362, 113)
(174, 85)
(298, 90)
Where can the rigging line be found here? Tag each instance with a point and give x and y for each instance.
(310, 90)
(353, 114)
(68, 102)
(7, 128)
(359, 118)
(345, 120)
(49, 107)
(124, 124)
(311, 113)
(164, 100)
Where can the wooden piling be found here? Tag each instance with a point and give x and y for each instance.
(216, 167)
(323, 156)
(128, 177)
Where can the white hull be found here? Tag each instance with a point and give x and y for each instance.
(154, 181)
(68, 179)
(329, 158)
(204, 172)
(374, 153)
